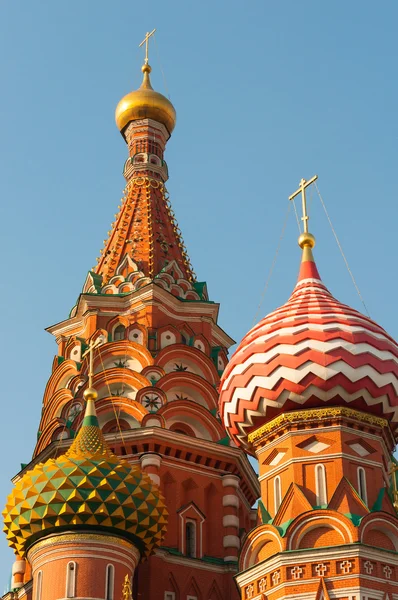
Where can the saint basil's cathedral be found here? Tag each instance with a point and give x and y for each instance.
(140, 485)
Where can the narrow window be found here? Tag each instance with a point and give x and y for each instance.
(118, 334)
(39, 582)
(190, 538)
(71, 579)
(320, 483)
(169, 596)
(277, 493)
(362, 484)
(109, 582)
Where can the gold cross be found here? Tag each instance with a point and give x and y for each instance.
(303, 185)
(90, 351)
(393, 473)
(127, 591)
(145, 41)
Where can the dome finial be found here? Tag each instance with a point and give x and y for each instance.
(306, 239)
(145, 41)
(90, 394)
(146, 68)
(145, 103)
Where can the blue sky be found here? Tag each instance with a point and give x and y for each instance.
(265, 92)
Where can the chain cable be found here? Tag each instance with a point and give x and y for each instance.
(273, 264)
(341, 250)
(161, 68)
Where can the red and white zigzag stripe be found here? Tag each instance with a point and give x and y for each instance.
(312, 351)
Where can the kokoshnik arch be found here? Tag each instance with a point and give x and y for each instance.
(149, 495)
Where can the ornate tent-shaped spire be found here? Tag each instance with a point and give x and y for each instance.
(144, 240)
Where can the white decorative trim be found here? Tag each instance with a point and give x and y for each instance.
(150, 460)
(231, 541)
(230, 521)
(231, 558)
(230, 500)
(230, 481)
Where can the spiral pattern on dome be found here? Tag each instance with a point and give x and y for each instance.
(312, 351)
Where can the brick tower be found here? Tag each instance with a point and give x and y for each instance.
(312, 391)
(158, 354)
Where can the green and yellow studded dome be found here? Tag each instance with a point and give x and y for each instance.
(87, 488)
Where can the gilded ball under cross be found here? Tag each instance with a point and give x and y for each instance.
(306, 240)
(90, 394)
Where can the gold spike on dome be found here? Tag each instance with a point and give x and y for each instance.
(88, 487)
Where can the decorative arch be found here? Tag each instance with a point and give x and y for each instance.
(201, 421)
(138, 334)
(59, 378)
(46, 436)
(116, 322)
(126, 410)
(73, 349)
(260, 543)
(189, 387)
(124, 350)
(54, 407)
(378, 530)
(201, 343)
(196, 361)
(320, 527)
(117, 381)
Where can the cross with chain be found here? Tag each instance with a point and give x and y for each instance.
(145, 41)
(394, 473)
(90, 351)
(127, 591)
(303, 186)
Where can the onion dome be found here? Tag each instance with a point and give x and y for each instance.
(311, 352)
(145, 103)
(87, 488)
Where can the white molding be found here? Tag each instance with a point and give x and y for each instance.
(230, 481)
(230, 500)
(230, 521)
(231, 541)
(294, 557)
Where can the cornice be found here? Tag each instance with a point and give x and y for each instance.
(287, 419)
(150, 295)
(293, 557)
(159, 435)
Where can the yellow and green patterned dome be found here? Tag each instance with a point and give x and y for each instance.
(87, 488)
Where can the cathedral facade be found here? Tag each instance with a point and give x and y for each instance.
(140, 485)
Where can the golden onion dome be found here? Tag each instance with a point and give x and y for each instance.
(88, 487)
(145, 103)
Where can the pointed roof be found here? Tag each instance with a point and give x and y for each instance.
(322, 592)
(144, 238)
(346, 500)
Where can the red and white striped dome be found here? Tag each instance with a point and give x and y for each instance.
(310, 352)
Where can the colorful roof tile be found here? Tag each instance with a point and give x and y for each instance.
(88, 487)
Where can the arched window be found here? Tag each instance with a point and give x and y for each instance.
(109, 582)
(362, 484)
(71, 579)
(38, 585)
(190, 538)
(320, 485)
(118, 333)
(277, 493)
